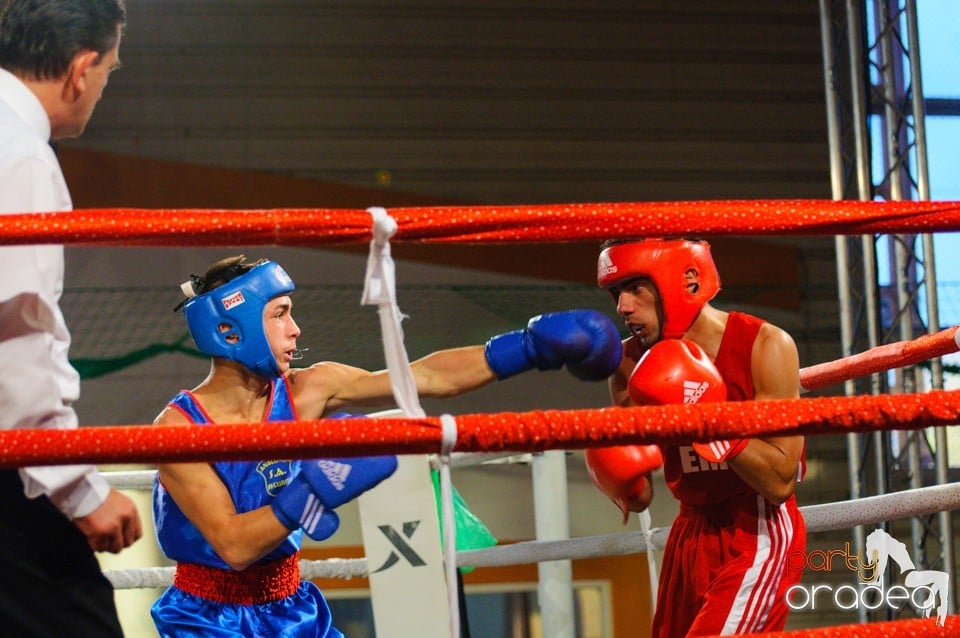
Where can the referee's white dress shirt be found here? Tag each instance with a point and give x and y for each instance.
(37, 382)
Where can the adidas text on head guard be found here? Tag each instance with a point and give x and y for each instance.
(227, 321)
(665, 262)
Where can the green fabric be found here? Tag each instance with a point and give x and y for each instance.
(471, 532)
(92, 368)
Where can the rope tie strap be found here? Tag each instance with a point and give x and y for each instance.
(447, 442)
(254, 585)
(380, 290)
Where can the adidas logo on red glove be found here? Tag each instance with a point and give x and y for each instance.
(679, 371)
(693, 390)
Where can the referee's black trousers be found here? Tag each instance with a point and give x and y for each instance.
(51, 585)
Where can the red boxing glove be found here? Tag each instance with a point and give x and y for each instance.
(675, 371)
(622, 473)
(679, 371)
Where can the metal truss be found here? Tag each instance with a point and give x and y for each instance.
(875, 119)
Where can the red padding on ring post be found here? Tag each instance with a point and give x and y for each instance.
(879, 359)
(914, 628)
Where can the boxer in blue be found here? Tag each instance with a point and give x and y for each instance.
(235, 528)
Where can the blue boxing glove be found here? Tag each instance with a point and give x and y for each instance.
(336, 481)
(297, 506)
(323, 484)
(587, 341)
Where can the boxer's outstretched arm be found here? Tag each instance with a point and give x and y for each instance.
(585, 341)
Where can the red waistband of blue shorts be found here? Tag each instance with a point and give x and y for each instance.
(254, 585)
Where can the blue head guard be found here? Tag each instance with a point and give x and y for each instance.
(227, 322)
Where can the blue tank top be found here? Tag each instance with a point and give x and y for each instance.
(251, 484)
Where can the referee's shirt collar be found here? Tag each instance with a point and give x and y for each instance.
(24, 103)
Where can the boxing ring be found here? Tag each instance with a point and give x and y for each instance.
(468, 438)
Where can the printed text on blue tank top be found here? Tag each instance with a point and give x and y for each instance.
(276, 475)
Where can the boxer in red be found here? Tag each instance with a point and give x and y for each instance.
(724, 568)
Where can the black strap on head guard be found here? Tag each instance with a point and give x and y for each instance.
(202, 285)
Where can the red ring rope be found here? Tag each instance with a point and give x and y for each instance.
(505, 431)
(528, 223)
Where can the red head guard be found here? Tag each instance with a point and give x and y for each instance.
(665, 262)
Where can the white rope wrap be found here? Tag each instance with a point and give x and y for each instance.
(131, 480)
(140, 577)
(162, 577)
(819, 518)
(448, 442)
(143, 479)
(343, 568)
(645, 523)
(886, 507)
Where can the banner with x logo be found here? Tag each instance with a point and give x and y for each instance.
(401, 539)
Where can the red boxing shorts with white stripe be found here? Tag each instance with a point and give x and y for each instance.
(726, 569)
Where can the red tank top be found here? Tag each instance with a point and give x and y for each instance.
(693, 480)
